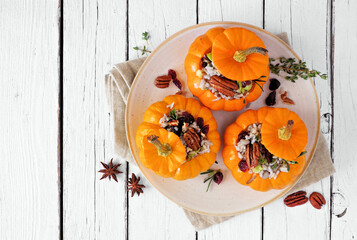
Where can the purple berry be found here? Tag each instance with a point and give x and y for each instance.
(243, 166)
(242, 135)
(172, 73)
(274, 84)
(218, 177)
(205, 129)
(246, 83)
(177, 83)
(200, 122)
(271, 99)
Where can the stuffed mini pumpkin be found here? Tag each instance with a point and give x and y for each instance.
(227, 68)
(250, 161)
(178, 138)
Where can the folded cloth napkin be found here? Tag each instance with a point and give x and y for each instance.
(118, 82)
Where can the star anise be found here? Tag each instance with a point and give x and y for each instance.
(134, 186)
(110, 170)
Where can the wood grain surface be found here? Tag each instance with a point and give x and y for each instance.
(56, 127)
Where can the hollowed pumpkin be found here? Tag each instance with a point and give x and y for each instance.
(201, 46)
(231, 158)
(284, 133)
(175, 165)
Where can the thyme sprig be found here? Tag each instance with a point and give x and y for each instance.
(293, 69)
(212, 175)
(256, 81)
(144, 49)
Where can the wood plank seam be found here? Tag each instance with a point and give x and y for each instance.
(331, 74)
(60, 119)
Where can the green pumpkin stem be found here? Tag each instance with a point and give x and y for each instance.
(163, 149)
(241, 55)
(284, 133)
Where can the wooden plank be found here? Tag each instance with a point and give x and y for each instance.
(29, 87)
(94, 40)
(345, 115)
(248, 225)
(152, 216)
(307, 24)
(250, 12)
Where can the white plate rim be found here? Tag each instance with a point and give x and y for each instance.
(147, 60)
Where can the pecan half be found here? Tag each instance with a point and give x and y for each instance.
(255, 155)
(223, 85)
(223, 82)
(296, 199)
(192, 139)
(163, 81)
(317, 200)
(286, 99)
(248, 150)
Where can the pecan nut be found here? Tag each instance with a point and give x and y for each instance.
(252, 155)
(163, 81)
(255, 155)
(248, 150)
(317, 200)
(296, 199)
(192, 139)
(286, 99)
(223, 85)
(223, 82)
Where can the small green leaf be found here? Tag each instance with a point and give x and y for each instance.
(302, 153)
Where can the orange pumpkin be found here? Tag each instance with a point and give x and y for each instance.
(201, 46)
(284, 133)
(239, 54)
(160, 150)
(232, 160)
(176, 165)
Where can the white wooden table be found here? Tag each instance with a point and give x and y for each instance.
(55, 125)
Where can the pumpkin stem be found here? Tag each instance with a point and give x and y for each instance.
(284, 133)
(163, 149)
(241, 55)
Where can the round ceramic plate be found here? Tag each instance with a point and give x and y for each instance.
(229, 197)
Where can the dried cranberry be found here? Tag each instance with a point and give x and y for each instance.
(242, 135)
(199, 121)
(274, 84)
(271, 99)
(243, 166)
(262, 148)
(204, 64)
(187, 117)
(205, 129)
(246, 83)
(218, 177)
(269, 157)
(172, 73)
(177, 83)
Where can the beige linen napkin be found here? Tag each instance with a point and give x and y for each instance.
(118, 82)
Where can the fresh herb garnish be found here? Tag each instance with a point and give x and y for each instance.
(293, 69)
(213, 175)
(144, 49)
(302, 153)
(192, 154)
(172, 115)
(256, 81)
